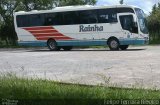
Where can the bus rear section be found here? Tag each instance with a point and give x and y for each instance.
(63, 28)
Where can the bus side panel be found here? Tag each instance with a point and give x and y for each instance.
(25, 38)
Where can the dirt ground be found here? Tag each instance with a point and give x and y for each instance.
(135, 67)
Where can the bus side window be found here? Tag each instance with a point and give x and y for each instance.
(49, 19)
(36, 20)
(103, 17)
(58, 19)
(88, 16)
(113, 17)
(22, 20)
(70, 18)
(53, 19)
(107, 16)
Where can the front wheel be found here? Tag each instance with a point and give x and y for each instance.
(52, 45)
(124, 47)
(113, 44)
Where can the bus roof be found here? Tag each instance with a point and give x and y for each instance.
(72, 8)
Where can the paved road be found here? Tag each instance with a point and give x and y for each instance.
(138, 66)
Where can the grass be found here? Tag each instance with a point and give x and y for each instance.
(12, 87)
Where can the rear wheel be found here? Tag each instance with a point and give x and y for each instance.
(113, 44)
(124, 47)
(67, 48)
(52, 45)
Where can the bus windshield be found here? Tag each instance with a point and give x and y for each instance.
(141, 20)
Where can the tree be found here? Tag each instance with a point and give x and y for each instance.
(28, 5)
(154, 24)
(154, 8)
(121, 1)
(7, 32)
(76, 2)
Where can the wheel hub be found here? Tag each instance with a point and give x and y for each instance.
(114, 44)
(52, 45)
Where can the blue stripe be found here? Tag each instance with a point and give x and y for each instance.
(85, 43)
(133, 41)
(102, 42)
(82, 43)
(33, 43)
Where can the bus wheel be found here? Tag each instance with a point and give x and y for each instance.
(52, 45)
(113, 44)
(67, 48)
(123, 47)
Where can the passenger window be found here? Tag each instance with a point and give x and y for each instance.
(22, 21)
(107, 16)
(70, 18)
(36, 20)
(88, 17)
(53, 19)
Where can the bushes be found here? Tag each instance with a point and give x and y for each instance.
(8, 36)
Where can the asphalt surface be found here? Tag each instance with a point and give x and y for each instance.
(136, 67)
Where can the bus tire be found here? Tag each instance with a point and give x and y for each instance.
(67, 48)
(52, 45)
(123, 47)
(113, 44)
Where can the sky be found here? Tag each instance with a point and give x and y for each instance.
(146, 5)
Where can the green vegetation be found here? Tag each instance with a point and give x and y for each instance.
(154, 24)
(12, 87)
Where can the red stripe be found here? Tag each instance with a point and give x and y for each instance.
(41, 35)
(58, 38)
(38, 28)
(62, 38)
(43, 31)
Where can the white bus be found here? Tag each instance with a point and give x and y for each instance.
(64, 27)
